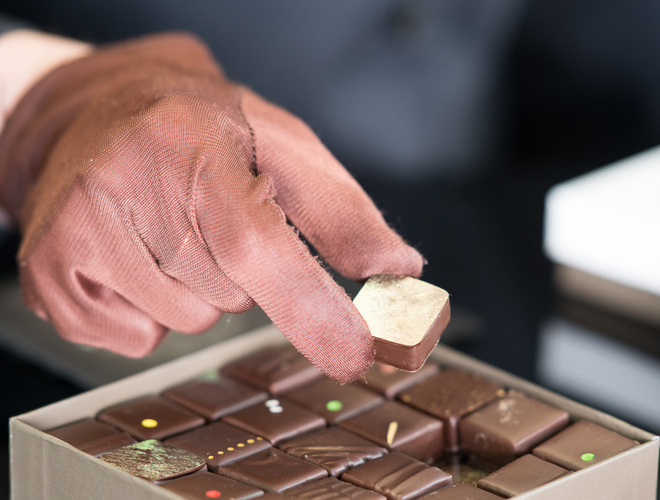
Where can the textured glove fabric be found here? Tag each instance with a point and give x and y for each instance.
(152, 193)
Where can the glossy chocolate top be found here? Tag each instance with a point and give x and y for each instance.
(151, 417)
(460, 491)
(215, 398)
(205, 485)
(92, 436)
(276, 369)
(276, 420)
(582, 444)
(398, 427)
(273, 470)
(509, 427)
(220, 443)
(398, 477)
(521, 475)
(450, 395)
(389, 381)
(333, 448)
(334, 402)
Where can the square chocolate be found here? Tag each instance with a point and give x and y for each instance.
(460, 491)
(331, 488)
(276, 420)
(398, 427)
(450, 395)
(273, 470)
(215, 398)
(398, 477)
(509, 428)
(333, 401)
(92, 436)
(205, 485)
(276, 369)
(220, 443)
(521, 475)
(333, 448)
(389, 381)
(151, 417)
(582, 444)
(153, 460)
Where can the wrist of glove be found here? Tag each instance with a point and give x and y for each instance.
(153, 193)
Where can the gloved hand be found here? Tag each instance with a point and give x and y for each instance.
(153, 193)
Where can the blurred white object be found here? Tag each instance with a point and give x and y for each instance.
(601, 371)
(607, 223)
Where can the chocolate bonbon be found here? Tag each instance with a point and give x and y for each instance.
(151, 417)
(205, 485)
(220, 443)
(153, 460)
(273, 470)
(581, 445)
(215, 398)
(406, 317)
(460, 491)
(509, 427)
(334, 402)
(333, 448)
(398, 427)
(276, 420)
(276, 369)
(389, 381)
(398, 477)
(92, 436)
(332, 489)
(450, 395)
(521, 475)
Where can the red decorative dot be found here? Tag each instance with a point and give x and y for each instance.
(213, 494)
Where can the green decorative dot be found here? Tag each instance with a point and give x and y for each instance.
(333, 405)
(587, 457)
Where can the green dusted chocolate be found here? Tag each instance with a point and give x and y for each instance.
(153, 460)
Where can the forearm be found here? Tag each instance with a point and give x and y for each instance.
(26, 56)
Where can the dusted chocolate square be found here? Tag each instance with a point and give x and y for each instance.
(92, 436)
(509, 427)
(220, 443)
(276, 369)
(582, 444)
(460, 491)
(450, 395)
(398, 427)
(331, 488)
(276, 420)
(406, 317)
(273, 470)
(205, 485)
(333, 448)
(151, 417)
(521, 475)
(389, 381)
(153, 460)
(333, 401)
(398, 477)
(215, 398)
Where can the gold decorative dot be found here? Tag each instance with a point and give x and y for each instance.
(240, 445)
(221, 452)
(250, 441)
(210, 457)
(149, 423)
(260, 438)
(230, 448)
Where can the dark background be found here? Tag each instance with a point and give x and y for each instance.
(456, 116)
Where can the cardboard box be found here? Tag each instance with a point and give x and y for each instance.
(44, 467)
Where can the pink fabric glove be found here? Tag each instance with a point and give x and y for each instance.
(153, 193)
